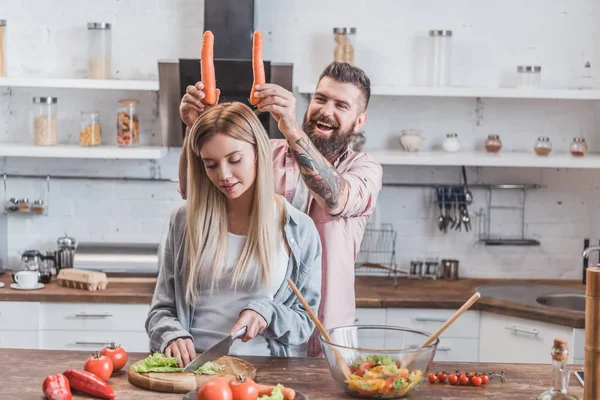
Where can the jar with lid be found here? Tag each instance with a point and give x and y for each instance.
(128, 126)
(451, 143)
(440, 57)
(578, 147)
(411, 140)
(12, 205)
(99, 50)
(529, 76)
(45, 122)
(89, 131)
(493, 144)
(38, 207)
(24, 205)
(2, 47)
(542, 146)
(345, 40)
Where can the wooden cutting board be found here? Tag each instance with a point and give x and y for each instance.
(180, 382)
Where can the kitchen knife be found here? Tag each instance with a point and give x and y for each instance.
(217, 351)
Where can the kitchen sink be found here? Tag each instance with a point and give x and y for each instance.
(567, 301)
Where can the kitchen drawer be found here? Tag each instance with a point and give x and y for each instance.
(430, 320)
(456, 350)
(19, 315)
(101, 316)
(19, 339)
(578, 345)
(370, 316)
(518, 340)
(83, 340)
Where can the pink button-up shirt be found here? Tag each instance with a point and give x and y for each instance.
(341, 234)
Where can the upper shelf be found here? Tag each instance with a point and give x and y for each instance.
(76, 151)
(482, 159)
(111, 84)
(500, 93)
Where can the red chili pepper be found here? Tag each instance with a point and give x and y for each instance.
(56, 387)
(89, 383)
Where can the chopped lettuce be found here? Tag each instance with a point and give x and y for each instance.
(398, 383)
(209, 368)
(275, 394)
(157, 362)
(380, 360)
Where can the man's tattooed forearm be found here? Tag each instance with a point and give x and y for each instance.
(320, 176)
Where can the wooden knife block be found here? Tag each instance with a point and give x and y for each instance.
(82, 279)
(591, 389)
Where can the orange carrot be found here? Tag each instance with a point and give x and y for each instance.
(258, 68)
(207, 68)
(265, 390)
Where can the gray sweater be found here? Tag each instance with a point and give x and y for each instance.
(288, 323)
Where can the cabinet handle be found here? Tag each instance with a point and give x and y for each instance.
(106, 342)
(442, 348)
(86, 315)
(514, 328)
(424, 319)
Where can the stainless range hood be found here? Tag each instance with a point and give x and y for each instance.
(117, 258)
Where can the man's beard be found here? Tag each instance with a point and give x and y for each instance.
(331, 145)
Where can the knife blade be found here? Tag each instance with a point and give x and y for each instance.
(215, 352)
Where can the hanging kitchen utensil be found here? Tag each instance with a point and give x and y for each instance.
(441, 219)
(468, 194)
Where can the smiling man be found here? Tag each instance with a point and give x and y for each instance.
(319, 174)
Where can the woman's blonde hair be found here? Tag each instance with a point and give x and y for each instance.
(206, 225)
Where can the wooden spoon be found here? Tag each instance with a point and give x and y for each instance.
(445, 326)
(381, 266)
(340, 360)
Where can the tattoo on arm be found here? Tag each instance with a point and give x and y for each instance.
(318, 173)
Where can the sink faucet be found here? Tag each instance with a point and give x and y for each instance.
(586, 253)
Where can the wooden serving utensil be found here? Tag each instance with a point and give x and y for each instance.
(340, 360)
(445, 326)
(381, 266)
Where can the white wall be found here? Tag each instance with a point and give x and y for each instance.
(490, 39)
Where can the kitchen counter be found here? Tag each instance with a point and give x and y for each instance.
(28, 368)
(371, 292)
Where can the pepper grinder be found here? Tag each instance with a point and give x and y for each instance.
(591, 389)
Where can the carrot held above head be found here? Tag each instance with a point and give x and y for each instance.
(258, 68)
(207, 68)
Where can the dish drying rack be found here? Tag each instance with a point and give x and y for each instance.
(377, 254)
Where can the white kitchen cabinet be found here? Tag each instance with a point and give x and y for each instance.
(430, 320)
(518, 340)
(19, 339)
(19, 315)
(93, 340)
(93, 316)
(456, 350)
(371, 316)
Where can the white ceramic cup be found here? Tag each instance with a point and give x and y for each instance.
(26, 279)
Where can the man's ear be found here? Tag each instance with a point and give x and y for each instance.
(360, 121)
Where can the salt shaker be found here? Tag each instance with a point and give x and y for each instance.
(451, 143)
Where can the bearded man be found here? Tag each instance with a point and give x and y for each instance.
(317, 172)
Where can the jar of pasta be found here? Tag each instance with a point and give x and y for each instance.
(89, 131)
(128, 125)
(344, 44)
(45, 122)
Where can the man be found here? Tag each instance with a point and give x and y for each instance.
(315, 170)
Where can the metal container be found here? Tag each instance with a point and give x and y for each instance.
(65, 252)
(450, 269)
(121, 258)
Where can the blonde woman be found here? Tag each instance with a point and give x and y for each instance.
(229, 251)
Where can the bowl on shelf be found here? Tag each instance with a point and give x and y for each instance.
(384, 362)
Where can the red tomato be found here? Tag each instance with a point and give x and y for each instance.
(99, 365)
(442, 377)
(463, 380)
(476, 381)
(117, 355)
(215, 389)
(452, 379)
(244, 390)
(432, 378)
(485, 379)
(360, 371)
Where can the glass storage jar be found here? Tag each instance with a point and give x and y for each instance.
(99, 50)
(493, 144)
(578, 147)
(451, 143)
(89, 131)
(2, 47)
(542, 146)
(529, 76)
(128, 126)
(345, 40)
(440, 57)
(45, 123)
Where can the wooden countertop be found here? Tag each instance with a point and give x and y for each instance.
(28, 368)
(371, 292)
